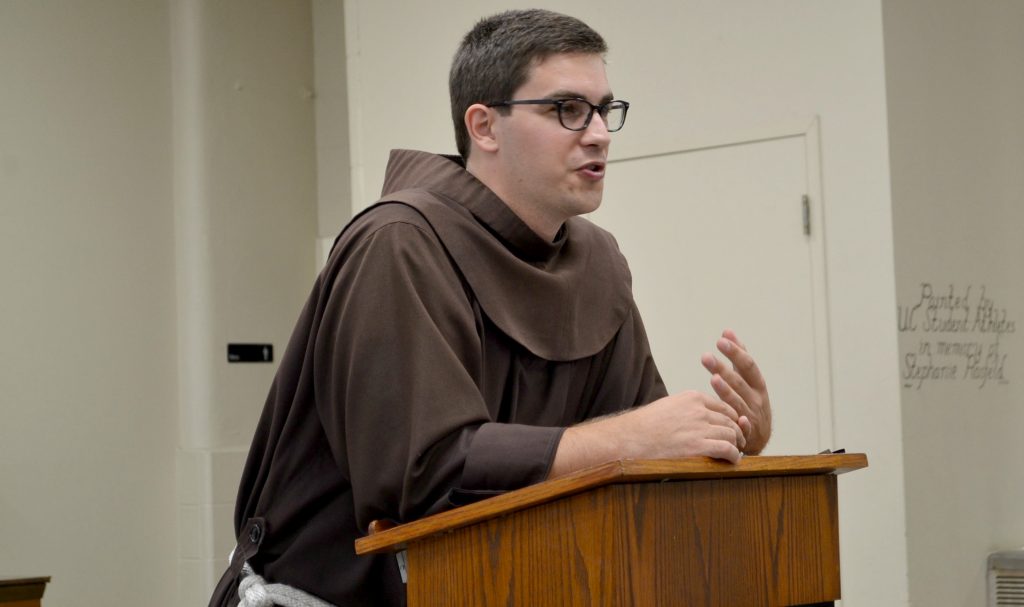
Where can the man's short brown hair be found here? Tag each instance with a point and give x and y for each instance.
(495, 57)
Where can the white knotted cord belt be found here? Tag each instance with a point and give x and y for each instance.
(254, 591)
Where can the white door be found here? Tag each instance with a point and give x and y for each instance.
(715, 239)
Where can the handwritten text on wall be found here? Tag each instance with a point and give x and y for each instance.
(959, 331)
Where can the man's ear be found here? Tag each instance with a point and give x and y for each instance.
(480, 122)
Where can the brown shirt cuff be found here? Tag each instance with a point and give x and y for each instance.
(503, 457)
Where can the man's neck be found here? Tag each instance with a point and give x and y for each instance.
(545, 227)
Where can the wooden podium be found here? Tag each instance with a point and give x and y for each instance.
(683, 532)
(22, 591)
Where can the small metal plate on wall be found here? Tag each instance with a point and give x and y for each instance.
(250, 353)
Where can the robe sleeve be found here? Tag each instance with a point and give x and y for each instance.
(487, 471)
(397, 360)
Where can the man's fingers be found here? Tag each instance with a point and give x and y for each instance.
(720, 449)
(710, 362)
(727, 433)
(743, 363)
(731, 336)
(727, 393)
(721, 407)
(721, 415)
(744, 376)
(743, 386)
(730, 397)
(729, 375)
(746, 426)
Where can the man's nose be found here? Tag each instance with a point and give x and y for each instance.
(596, 132)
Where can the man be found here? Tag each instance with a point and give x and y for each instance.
(464, 331)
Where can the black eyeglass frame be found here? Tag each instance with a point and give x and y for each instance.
(601, 109)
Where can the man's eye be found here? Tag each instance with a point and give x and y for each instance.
(573, 109)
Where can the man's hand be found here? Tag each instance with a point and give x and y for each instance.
(743, 387)
(681, 425)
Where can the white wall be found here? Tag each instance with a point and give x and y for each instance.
(956, 89)
(246, 211)
(333, 160)
(157, 201)
(334, 184)
(701, 73)
(87, 302)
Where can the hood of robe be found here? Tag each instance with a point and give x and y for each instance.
(561, 300)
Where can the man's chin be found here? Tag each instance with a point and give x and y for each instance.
(590, 205)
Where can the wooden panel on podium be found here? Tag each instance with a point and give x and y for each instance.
(637, 533)
(22, 591)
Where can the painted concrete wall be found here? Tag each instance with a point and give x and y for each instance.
(955, 93)
(246, 212)
(88, 406)
(334, 186)
(157, 201)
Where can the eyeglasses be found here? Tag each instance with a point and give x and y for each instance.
(575, 114)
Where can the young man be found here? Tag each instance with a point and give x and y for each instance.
(466, 328)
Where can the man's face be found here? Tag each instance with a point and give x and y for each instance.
(548, 171)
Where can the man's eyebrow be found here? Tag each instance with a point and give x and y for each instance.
(567, 94)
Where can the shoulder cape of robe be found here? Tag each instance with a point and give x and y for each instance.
(562, 300)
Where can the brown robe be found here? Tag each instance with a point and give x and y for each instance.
(441, 354)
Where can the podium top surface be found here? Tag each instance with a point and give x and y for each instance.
(6, 581)
(621, 471)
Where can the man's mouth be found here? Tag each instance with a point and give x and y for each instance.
(593, 170)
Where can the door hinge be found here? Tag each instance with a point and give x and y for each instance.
(806, 202)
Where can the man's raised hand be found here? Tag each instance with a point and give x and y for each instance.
(742, 385)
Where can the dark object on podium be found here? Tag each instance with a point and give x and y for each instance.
(694, 531)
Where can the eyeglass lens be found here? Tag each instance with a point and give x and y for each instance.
(574, 113)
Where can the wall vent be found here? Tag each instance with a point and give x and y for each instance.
(1006, 578)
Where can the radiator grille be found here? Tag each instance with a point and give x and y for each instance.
(1006, 579)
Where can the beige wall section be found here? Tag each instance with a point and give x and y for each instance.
(701, 73)
(87, 303)
(332, 151)
(246, 210)
(245, 195)
(956, 89)
(157, 201)
(334, 182)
